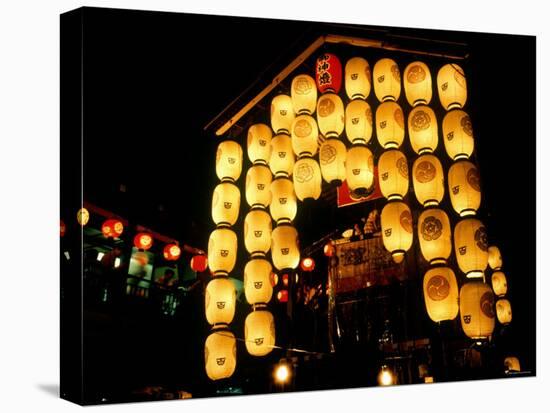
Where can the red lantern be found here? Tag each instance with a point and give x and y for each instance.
(285, 280)
(143, 241)
(282, 296)
(307, 264)
(112, 228)
(328, 73)
(199, 263)
(328, 249)
(62, 228)
(274, 278)
(171, 252)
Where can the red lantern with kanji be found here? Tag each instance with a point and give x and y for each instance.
(62, 228)
(307, 264)
(112, 228)
(143, 241)
(171, 252)
(328, 73)
(199, 263)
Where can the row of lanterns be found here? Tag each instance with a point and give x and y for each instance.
(500, 286)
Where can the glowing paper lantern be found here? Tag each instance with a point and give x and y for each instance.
(258, 183)
(328, 73)
(471, 248)
(82, 216)
(477, 314)
(330, 115)
(387, 80)
(329, 249)
(171, 252)
(418, 84)
(504, 311)
(357, 78)
(393, 174)
(304, 135)
(307, 179)
(386, 377)
(390, 125)
(397, 229)
(281, 161)
(282, 114)
(495, 258)
(332, 159)
(307, 264)
(360, 170)
(220, 299)
(143, 241)
(283, 205)
(220, 354)
(464, 188)
(441, 294)
(358, 122)
(458, 135)
(285, 252)
(199, 263)
(511, 364)
(304, 94)
(259, 333)
(422, 125)
(112, 228)
(434, 234)
(257, 281)
(222, 251)
(229, 161)
(62, 228)
(451, 86)
(226, 201)
(428, 180)
(499, 283)
(282, 296)
(259, 143)
(257, 232)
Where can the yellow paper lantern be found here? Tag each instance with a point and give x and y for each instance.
(257, 232)
(397, 229)
(219, 301)
(222, 251)
(358, 121)
(357, 78)
(511, 364)
(229, 161)
(360, 170)
(470, 239)
(451, 86)
(422, 125)
(220, 354)
(464, 188)
(257, 281)
(259, 333)
(495, 258)
(226, 202)
(428, 180)
(418, 84)
(458, 134)
(281, 161)
(259, 143)
(387, 80)
(390, 125)
(304, 135)
(499, 283)
(82, 216)
(330, 115)
(332, 159)
(304, 94)
(477, 315)
(307, 179)
(282, 114)
(283, 205)
(258, 183)
(285, 252)
(441, 294)
(434, 234)
(393, 174)
(504, 311)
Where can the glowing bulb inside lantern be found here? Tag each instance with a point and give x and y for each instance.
(385, 377)
(282, 373)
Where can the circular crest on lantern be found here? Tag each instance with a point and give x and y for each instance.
(303, 94)
(451, 86)
(330, 115)
(418, 84)
(360, 170)
(390, 125)
(304, 135)
(464, 188)
(477, 314)
(422, 125)
(458, 135)
(471, 247)
(441, 294)
(332, 159)
(434, 235)
(387, 80)
(428, 180)
(393, 174)
(307, 179)
(358, 123)
(397, 229)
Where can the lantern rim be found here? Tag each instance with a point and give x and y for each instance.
(476, 274)
(388, 98)
(398, 256)
(433, 203)
(391, 145)
(425, 150)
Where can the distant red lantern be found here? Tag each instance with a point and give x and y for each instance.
(62, 228)
(307, 264)
(171, 252)
(199, 263)
(328, 249)
(282, 296)
(112, 228)
(143, 241)
(285, 280)
(274, 278)
(328, 73)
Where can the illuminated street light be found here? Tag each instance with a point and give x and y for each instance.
(282, 373)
